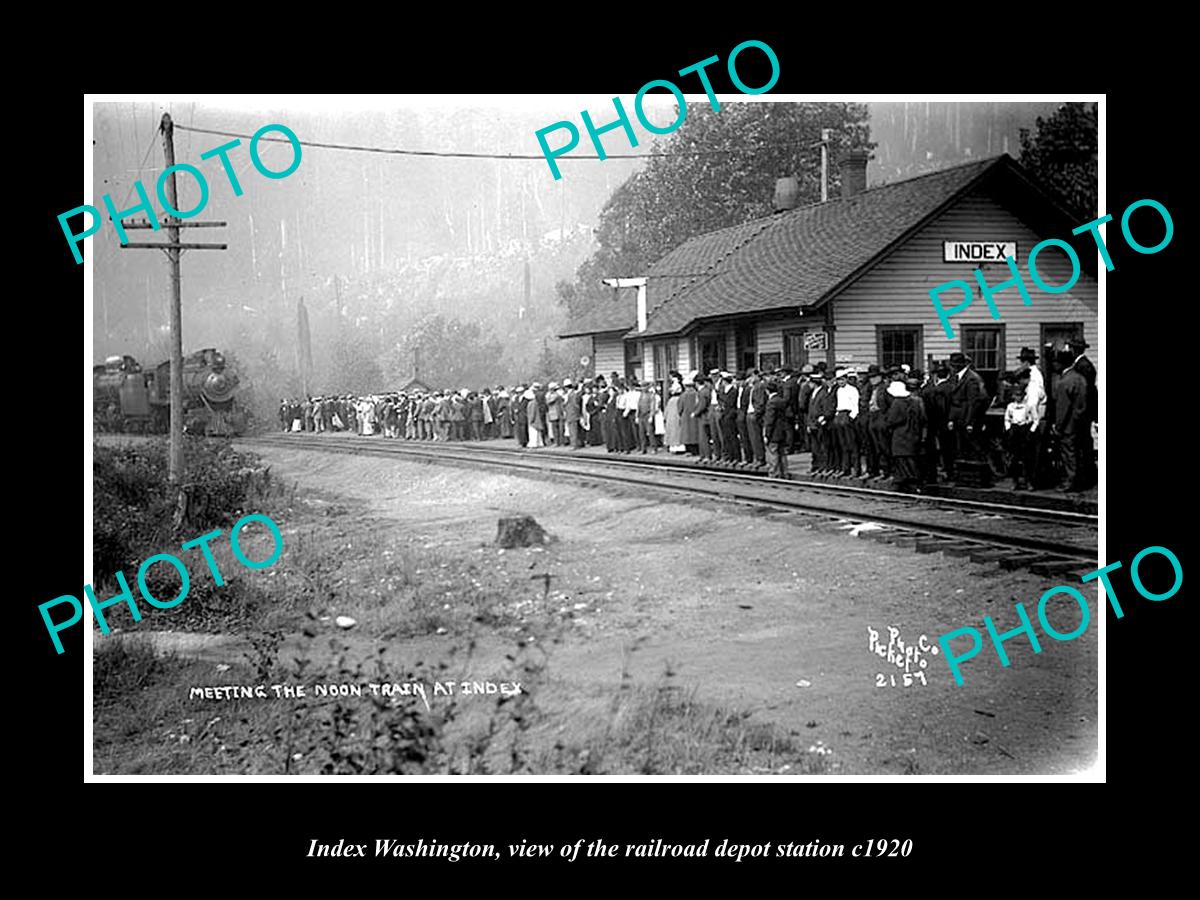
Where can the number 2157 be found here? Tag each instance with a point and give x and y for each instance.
(881, 680)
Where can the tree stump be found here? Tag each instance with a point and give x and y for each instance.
(520, 531)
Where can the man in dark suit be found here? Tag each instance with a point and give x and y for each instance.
(714, 413)
(647, 406)
(742, 384)
(789, 389)
(821, 408)
(877, 402)
(939, 440)
(968, 402)
(1072, 424)
(754, 418)
(1085, 367)
(704, 399)
(808, 384)
(729, 417)
(474, 413)
(776, 430)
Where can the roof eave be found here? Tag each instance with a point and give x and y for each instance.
(701, 321)
(620, 330)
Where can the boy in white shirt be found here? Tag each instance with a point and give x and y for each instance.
(1019, 422)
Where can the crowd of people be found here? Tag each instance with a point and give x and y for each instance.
(903, 425)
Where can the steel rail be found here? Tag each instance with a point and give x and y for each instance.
(598, 469)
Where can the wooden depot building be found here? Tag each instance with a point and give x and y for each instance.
(847, 281)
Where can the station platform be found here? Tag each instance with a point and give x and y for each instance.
(1086, 502)
(800, 462)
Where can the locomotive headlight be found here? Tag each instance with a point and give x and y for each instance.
(219, 387)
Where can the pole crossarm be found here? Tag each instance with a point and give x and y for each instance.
(173, 224)
(151, 245)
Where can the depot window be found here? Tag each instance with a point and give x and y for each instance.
(983, 345)
(898, 345)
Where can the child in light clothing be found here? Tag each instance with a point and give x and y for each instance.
(1018, 421)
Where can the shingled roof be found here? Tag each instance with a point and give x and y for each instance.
(797, 258)
(613, 313)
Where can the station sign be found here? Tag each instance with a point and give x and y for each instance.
(978, 251)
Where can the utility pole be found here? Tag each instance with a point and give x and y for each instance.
(176, 458)
(337, 309)
(825, 135)
(174, 249)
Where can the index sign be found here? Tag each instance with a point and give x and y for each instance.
(978, 251)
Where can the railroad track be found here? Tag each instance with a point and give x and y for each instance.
(1048, 542)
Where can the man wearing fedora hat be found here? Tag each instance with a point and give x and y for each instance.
(711, 427)
(1085, 367)
(968, 402)
(1082, 364)
(808, 384)
(742, 405)
(572, 413)
(754, 418)
(789, 387)
(554, 414)
(935, 395)
(775, 430)
(1071, 423)
(877, 402)
(819, 421)
(727, 396)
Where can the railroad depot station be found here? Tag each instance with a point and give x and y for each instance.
(847, 282)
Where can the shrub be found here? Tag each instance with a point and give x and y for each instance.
(133, 509)
(122, 667)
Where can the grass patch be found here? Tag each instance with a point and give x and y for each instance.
(135, 516)
(339, 565)
(148, 724)
(665, 729)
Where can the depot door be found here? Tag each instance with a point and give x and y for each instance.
(712, 353)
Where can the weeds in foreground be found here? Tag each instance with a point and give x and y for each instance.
(134, 510)
(655, 729)
(665, 729)
(263, 656)
(125, 667)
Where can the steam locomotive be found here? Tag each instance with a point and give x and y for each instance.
(127, 398)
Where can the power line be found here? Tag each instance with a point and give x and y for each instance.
(149, 147)
(463, 155)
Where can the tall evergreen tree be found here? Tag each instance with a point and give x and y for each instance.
(1062, 154)
(719, 170)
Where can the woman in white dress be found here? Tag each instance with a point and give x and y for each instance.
(533, 414)
(367, 415)
(674, 436)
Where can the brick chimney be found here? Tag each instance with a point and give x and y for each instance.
(787, 194)
(853, 168)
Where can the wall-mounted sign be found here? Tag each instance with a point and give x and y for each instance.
(816, 340)
(978, 251)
